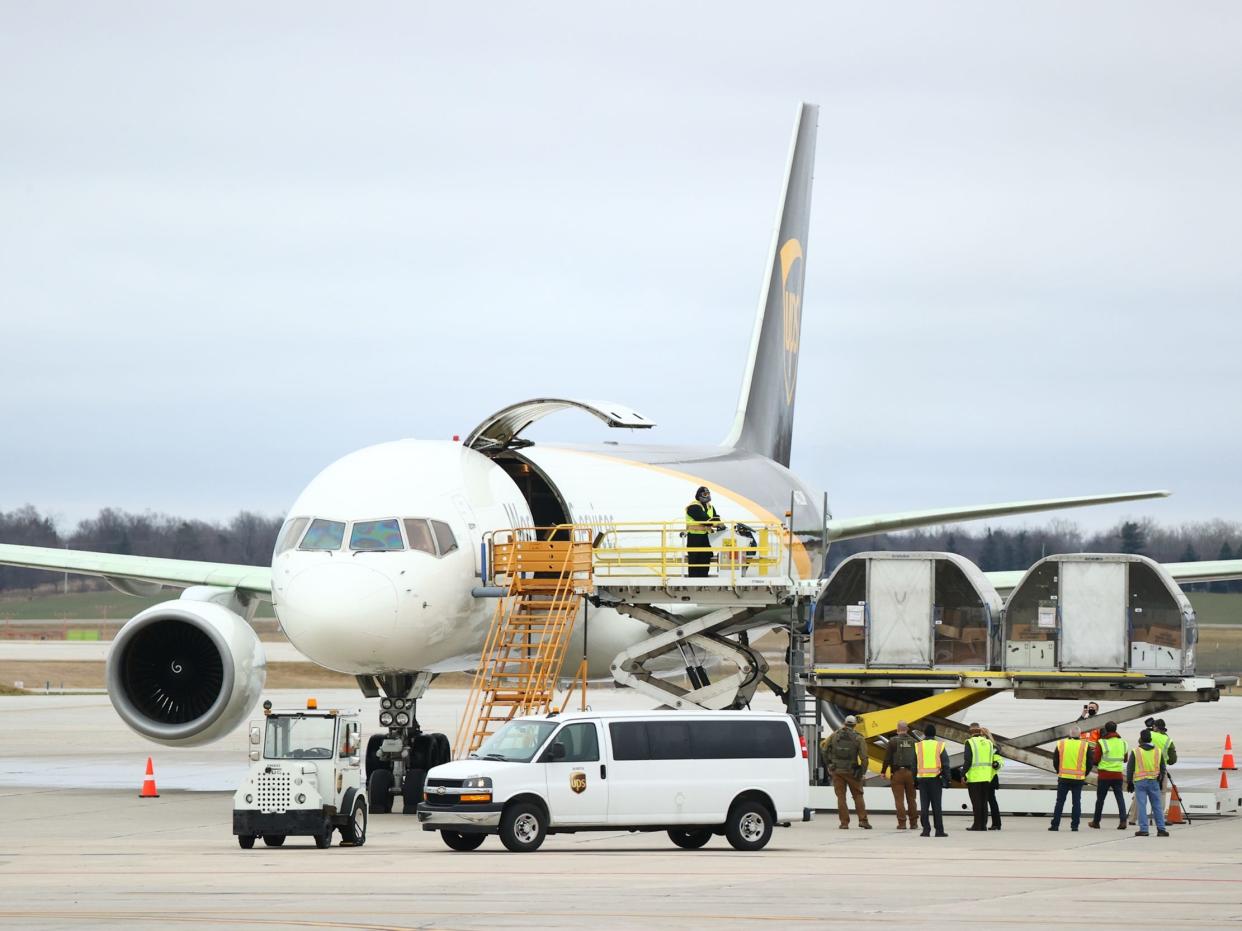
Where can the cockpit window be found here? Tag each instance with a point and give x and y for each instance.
(290, 533)
(324, 535)
(419, 535)
(376, 535)
(444, 537)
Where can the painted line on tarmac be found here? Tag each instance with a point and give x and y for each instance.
(268, 871)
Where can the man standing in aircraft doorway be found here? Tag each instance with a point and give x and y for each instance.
(701, 520)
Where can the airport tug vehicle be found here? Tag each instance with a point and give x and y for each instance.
(305, 779)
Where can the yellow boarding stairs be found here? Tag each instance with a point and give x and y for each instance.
(529, 637)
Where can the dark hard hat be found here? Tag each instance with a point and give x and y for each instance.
(703, 493)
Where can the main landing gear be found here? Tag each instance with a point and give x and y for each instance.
(398, 759)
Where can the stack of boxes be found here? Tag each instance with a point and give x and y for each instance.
(1030, 647)
(961, 640)
(837, 644)
(1156, 648)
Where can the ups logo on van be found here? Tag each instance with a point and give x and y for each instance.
(577, 781)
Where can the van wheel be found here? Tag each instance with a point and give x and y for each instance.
(465, 842)
(379, 791)
(522, 827)
(355, 832)
(273, 840)
(690, 840)
(749, 826)
(245, 841)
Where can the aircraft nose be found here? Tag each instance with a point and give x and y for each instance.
(340, 614)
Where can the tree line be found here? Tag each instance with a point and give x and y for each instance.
(997, 549)
(248, 539)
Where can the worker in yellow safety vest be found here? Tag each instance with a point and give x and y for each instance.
(701, 520)
(1144, 773)
(979, 765)
(931, 762)
(1110, 763)
(1072, 758)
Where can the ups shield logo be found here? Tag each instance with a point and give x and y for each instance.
(577, 781)
(792, 266)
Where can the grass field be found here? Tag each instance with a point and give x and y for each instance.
(106, 605)
(1211, 608)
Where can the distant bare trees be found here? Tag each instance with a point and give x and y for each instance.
(247, 538)
(993, 548)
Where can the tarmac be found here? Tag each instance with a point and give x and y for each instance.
(82, 851)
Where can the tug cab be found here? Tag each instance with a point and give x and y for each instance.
(305, 779)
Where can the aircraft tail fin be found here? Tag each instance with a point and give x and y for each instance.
(764, 420)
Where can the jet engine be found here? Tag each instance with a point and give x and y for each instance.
(185, 672)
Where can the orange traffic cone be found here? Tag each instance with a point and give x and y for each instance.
(1175, 815)
(1224, 779)
(148, 784)
(1226, 761)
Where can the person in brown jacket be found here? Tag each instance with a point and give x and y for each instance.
(845, 754)
(899, 759)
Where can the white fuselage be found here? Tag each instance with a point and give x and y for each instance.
(403, 610)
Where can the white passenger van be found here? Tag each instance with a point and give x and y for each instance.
(692, 774)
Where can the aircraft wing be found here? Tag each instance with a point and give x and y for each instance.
(851, 527)
(1184, 573)
(175, 573)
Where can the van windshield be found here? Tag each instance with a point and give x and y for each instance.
(516, 742)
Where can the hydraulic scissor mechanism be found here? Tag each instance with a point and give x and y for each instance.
(698, 641)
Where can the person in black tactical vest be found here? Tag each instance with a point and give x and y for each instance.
(899, 759)
(845, 755)
(701, 520)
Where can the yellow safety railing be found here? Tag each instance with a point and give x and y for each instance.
(652, 552)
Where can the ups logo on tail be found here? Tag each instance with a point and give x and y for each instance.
(792, 265)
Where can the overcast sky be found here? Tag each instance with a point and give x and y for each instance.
(238, 241)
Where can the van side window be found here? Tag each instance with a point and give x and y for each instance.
(670, 740)
(701, 740)
(629, 740)
(581, 743)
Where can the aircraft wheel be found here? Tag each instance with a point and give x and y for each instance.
(412, 790)
(379, 791)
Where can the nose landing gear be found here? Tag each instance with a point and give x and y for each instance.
(398, 759)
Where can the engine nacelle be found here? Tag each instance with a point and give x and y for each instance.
(185, 672)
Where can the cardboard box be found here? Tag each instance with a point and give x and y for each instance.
(967, 654)
(849, 634)
(1139, 635)
(829, 654)
(974, 634)
(948, 632)
(827, 635)
(1028, 632)
(1164, 636)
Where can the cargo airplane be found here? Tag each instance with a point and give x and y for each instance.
(375, 570)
